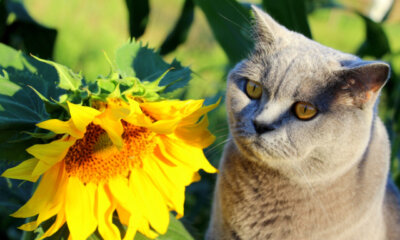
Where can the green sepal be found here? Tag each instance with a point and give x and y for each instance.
(44, 136)
(144, 63)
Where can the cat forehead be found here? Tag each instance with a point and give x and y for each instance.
(301, 67)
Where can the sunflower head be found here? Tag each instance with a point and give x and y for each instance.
(118, 150)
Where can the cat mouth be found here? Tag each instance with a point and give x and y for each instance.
(266, 146)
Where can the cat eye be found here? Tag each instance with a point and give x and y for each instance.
(305, 110)
(253, 89)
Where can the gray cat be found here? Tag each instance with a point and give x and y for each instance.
(308, 157)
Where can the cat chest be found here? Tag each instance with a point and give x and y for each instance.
(257, 213)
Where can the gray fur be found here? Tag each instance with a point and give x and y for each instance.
(326, 178)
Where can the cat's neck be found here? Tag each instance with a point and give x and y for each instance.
(285, 209)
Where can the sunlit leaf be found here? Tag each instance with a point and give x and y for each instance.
(84, 30)
(180, 32)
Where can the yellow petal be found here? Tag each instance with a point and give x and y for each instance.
(53, 152)
(113, 128)
(40, 168)
(136, 115)
(145, 229)
(134, 222)
(138, 118)
(57, 200)
(118, 109)
(123, 215)
(128, 202)
(196, 134)
(61, 127)
(172, 191)
(105, 210)
(30, 226)
(196, 177)
(179, 152)
(48, 213)
(131, 229)
(60, 220)
(79, 211)
(178, 173)
(154, 206)
(110, 121)
(91, 190)
(23, 171)
(164, 126)
(142, 223)
(82, 115)
(194, 116)
(41, 198)
(171, 109)
(124, 195)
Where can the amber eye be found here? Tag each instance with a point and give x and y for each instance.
(304, 110)
(253, 89)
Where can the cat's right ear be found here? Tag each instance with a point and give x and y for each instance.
(266, 29)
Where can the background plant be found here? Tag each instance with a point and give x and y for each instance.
(209, 35)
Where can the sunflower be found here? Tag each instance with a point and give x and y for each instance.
(131, 159)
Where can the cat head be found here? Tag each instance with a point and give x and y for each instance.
(300, 107)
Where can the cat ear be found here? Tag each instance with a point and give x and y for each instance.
(363, 81)
(266, 29)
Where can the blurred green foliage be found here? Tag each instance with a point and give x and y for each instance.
(209, 35)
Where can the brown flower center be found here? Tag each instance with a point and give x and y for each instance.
(94, 158)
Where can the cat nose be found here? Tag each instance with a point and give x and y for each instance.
(262, 127)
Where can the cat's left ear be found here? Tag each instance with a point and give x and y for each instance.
(363, 81)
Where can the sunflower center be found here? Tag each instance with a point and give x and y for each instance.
(94, 158)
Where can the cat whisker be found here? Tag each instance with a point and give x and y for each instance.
(225, 135)
(239, 12)
(220, 130)
(210, 150)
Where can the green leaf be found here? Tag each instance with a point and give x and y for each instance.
(106, 86)
(290, 13)
(68, 79)
(138, 16)
(376, 43)
(20, 107)
(175, 231)
(180, 32)
(14, 194)
(177, 77)
(230, 23)
(135, 60)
